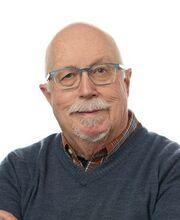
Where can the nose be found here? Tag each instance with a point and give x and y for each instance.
(87, 89)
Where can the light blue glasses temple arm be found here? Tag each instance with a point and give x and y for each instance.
(50, 75)
(122, 68)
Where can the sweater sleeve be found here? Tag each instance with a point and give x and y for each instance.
(168, 200)
(9, 186)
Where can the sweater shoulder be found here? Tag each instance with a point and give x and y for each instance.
(25, 160)
(162, 144)
(155, 141)
(32, 152)
(159, 149)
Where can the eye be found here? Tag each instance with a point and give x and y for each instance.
(100, 70)
(65, 76)
(68, 76)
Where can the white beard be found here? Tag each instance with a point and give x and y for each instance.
(95, 139)
(91, 123)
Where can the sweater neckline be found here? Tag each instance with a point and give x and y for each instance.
(116, 159)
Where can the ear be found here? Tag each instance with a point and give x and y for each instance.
(46, 92)
(127, 79)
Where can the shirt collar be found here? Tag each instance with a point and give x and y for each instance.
(108, 148)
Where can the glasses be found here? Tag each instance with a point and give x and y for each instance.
(99, 74)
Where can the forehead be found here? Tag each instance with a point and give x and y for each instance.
(82, 48)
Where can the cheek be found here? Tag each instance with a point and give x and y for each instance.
(117, 98)
(61, 101)
(116, 95)
(60, 104)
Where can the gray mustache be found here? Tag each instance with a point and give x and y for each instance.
(88, 106)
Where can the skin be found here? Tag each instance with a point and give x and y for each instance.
(82, 45)
(6, 216)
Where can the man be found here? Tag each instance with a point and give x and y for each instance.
(104, 164)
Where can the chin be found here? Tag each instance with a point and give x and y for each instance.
(95, 138)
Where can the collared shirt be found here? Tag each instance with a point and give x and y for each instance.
(106, 151)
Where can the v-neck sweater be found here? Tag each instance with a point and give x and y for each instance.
(140, 181)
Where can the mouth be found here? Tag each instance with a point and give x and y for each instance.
(96, 113)
(90, 113)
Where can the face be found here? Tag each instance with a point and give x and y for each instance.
(89, 113)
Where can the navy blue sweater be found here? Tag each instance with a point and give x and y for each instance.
(140, 181)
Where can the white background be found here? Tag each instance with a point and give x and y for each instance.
(147, 32)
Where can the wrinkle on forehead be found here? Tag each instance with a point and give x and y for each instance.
(90, 40)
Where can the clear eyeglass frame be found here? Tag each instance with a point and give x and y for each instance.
(70, 77)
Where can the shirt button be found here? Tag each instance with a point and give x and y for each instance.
(70, 151)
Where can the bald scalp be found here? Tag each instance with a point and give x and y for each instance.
(79, 36)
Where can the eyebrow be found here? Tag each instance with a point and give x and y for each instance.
(100, 60)
(97, 61)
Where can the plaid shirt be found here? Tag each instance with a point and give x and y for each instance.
(105, 152)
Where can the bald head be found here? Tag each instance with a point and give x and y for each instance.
(80, 45)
